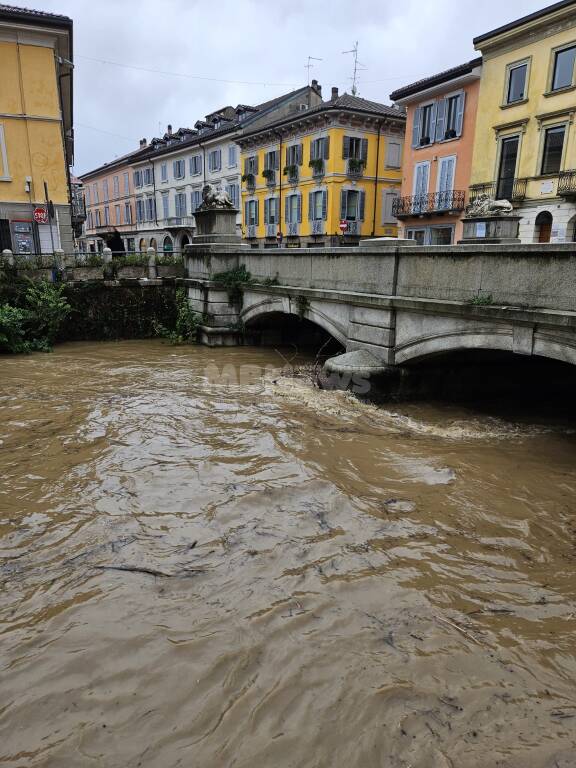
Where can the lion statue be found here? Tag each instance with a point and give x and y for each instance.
(212, 197)
(484, 205)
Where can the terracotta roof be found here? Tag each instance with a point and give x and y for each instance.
(441, 77)
(524, 20)
(26, 14)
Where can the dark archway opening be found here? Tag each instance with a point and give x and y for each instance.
(278, 329)
(543, 227)
(494, 378)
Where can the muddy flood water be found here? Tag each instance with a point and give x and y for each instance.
(214, 575)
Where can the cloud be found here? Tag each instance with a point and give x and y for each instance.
(249, 40)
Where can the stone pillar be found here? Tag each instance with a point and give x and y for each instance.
(108, 269)
(152, 271)
(107, 256)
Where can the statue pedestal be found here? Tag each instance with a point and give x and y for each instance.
(490, 229)
(216, 226)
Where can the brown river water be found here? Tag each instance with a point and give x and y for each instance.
(250, 574)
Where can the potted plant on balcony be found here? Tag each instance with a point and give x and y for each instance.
(291, 171)
(317, 166)
(249, 179)
(269, 175)
(355, 165)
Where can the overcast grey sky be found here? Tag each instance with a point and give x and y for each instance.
(256, 41)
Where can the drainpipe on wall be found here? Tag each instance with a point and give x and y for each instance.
(376, 180)
(279, 185)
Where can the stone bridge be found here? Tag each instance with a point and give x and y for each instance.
(393, 303)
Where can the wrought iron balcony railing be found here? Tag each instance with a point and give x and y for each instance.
(317, 226)
(271, 230)
(293, 229)
(251, 231)
(567, 184)
(513, 190)
(355, 168)
(353, 228)
(433, 203)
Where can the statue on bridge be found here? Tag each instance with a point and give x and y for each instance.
(214, 198)
(484, 205)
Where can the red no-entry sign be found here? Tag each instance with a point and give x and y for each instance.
(343, 225)
(40, 215)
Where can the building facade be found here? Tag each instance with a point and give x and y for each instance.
(330, 174)
(437, 166)
(166, 176)
(525, 147)
(36, 132)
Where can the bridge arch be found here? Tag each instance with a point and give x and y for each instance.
(283, 305)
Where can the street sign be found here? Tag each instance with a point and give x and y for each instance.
(343, 226)
(40, 215)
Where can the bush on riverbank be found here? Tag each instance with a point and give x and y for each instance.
(187, 322)
(32, 320)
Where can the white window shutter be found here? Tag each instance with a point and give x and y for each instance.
(417, 126)
(460, 114)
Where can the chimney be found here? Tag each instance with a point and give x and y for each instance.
(143, 143)
(169, 130)
(317, 87)
(334, 93)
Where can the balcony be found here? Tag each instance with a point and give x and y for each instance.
(317, 226)
(355, 168)
(318, 168)
(270, 175)
(177, 222)
(353, 228)
(250, 180)
(271, 230)
(251, 231)
(431, 204)
(291, 173)
(293, 229)
(567, 184)
(513, 190)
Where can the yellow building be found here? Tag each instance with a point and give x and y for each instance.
(525, 141)
(36, 141)
(325, 175)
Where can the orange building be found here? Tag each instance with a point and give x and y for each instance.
(437, 162)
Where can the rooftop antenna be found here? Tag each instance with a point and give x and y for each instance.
(309, 65)
(357, 67)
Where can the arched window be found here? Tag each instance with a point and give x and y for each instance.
(543, 230)
(153, 243)
(168, 245)
(571, 230)
(142, 245)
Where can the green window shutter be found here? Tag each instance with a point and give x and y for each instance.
(460, 113)
(314, 149)
(324, 204)
(362, 205)
(300, 153)
(346, 147)
(327, 148)
(433, 121)
(364, 150)
(310, 205)
(343, 204)
(256, 165)
(246, 219)
(287, 209)
(276, 160)
(266, 210)
(417, 127)
(441, 114)
(257, 206)
(299, 208)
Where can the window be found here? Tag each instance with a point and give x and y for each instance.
(195, 165)
(105, 187)
(294, 154)
(355, 148)
(180, 201)
(388, 199)
(126, 183)
(251, 212)
(137, 179)
(127, 213)
(168, 245)
(320, 148)
(516, 90)
(271, 161)
(106, 215)
(393, 154)
(164, 172)
(509, 150)
(271, 210)
(148, 176)
(317, 205)
(232, 156)
(95, 189)
(150, 209)
(179, 169)
(98, 219)
(293, 209)
(116, 187)
(449, 117)
(215, 160)
(441, 235)
(563, 74)
(165, 205)
(553, 149)
(87, 196)
(425, 129)
(234, 194)
(139, 211)
(196, 198)
(251, 165)
(89, 222)
(352, 205)
(117, 214)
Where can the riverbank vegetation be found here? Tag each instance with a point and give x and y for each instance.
(33, 322)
